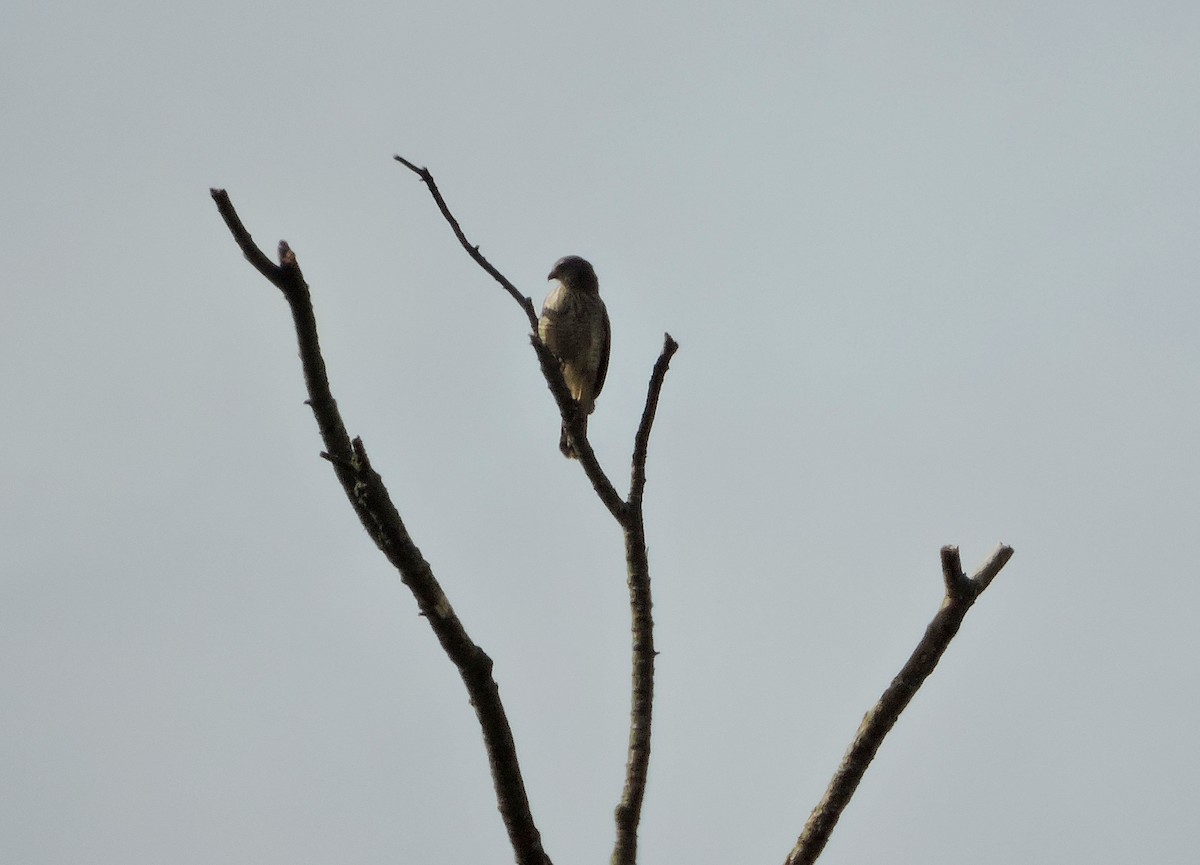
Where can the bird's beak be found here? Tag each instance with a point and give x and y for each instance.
(553, 274)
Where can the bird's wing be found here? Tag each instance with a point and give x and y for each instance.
(602, 370)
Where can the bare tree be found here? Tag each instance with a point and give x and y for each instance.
(369, 498)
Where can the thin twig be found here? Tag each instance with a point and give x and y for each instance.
(526, 303)
(641, 441)
(371, 501)
(961, 593)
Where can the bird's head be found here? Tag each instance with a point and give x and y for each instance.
(575, 273)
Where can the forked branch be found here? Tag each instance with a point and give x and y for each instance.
(628, 514)
(961, 592)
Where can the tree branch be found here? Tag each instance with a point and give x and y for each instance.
(370, 499)
(627, 513)
(569, 410)
(637, 763)
(641, 441)
(551, 368)
(524, 302)
(286, 276)
(961, 593)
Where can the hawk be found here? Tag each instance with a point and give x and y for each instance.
(574, 326)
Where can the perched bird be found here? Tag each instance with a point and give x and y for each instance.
(574, 326)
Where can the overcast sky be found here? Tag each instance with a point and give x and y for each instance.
(933, 271)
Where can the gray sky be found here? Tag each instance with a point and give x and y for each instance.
(933, 272)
